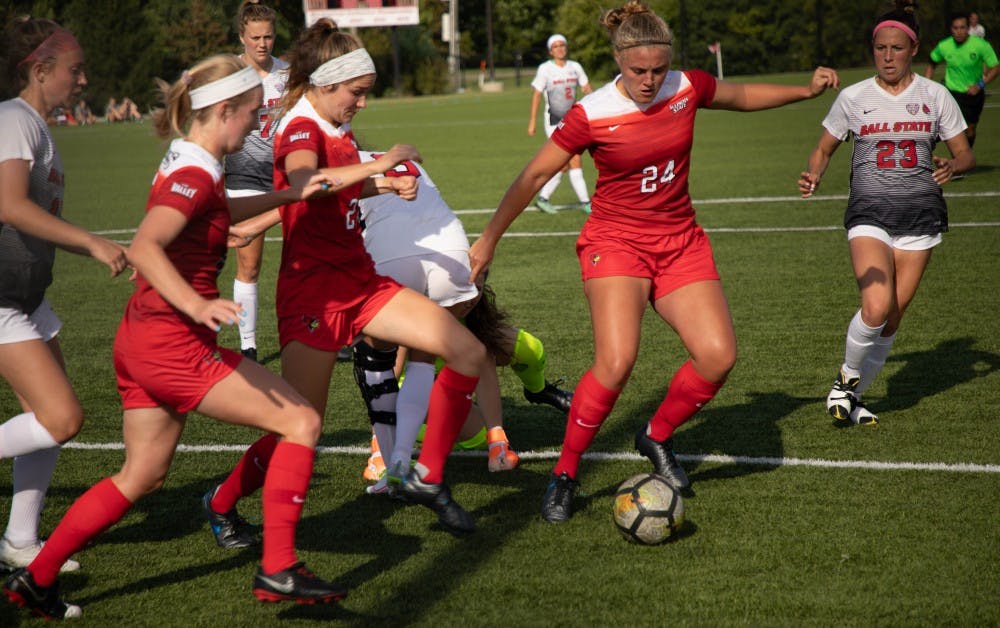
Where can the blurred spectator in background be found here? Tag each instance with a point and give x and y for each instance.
(976, 29)
(83, 113)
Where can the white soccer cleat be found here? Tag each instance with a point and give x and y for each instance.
(861, 415)
(14, 557)
(841, 400)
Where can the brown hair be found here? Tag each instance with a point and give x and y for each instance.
(318, 44)
(634, 24)
(24, 35)
(176, 112)
(488, 322)
(904, 13)
(252, 11)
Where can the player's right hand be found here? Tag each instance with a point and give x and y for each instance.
(109, 253)
(216, 313)
(808, 183)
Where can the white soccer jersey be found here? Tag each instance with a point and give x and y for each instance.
(26, 261)
(558, 85)
(397, 228)
(892, 161)
(251, 168)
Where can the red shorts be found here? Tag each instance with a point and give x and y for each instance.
(167, 365)
(669, 261)
(332, 330)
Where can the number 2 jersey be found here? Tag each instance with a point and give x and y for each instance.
(189, 180)
(892, 161)
(642, 153)
(324, 264)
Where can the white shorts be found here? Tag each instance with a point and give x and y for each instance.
(16, 326)
(441, 276)
(903, 243)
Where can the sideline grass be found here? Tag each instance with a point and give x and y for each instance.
(771, 546)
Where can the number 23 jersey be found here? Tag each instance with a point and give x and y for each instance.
(642, 153)
(892, 161)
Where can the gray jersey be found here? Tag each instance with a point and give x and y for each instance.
(252, 168)
(558, 84)
(26, 261)
(892, 161)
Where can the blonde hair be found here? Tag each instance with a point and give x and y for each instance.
(634, 24)
(318, 44)
(253, 11)
(176, 112)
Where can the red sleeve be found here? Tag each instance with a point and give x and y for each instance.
(187, 190)
(300, 134)
(703, 84)
(573, 133)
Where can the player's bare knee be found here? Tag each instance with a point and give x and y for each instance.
(66, 427)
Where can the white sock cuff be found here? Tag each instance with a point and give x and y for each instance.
(862, 329)
(23, 434)
(579, 184)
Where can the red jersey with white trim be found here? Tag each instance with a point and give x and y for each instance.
(642, 154)
(189, 180)
(324, 264)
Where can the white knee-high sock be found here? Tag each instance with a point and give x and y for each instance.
(860, 339)
(385, 434)
(23, 434)
(411, 408)
(874, 362)
(579, 184)
(246, 295)
(550, 186)
(32, 475)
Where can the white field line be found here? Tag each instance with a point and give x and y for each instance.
(959, 467)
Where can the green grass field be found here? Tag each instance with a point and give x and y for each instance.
(795, 521)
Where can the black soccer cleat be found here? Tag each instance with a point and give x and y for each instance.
(22, 590)
(296, 584)
(250, 354)
(664, 461)
(551, 395)
(230, 529)
(437, 497)
(557, 505)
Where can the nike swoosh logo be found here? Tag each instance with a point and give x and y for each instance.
(867, 111)
(298, 500)
(284, 587)
(613, 127)
(256, 463)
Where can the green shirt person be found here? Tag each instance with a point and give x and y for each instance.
(971, 63)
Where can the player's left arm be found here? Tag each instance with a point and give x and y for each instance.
(243, 207)
(962, 159)
(989, 73)
(758, 96)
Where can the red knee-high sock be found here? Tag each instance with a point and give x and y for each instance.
(592, 403)
(248, 476)
(285, 487)
(102, 506)
(688, 393)
(451, 398)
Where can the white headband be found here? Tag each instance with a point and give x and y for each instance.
(224, 88)
(343, 68)
(555, 38)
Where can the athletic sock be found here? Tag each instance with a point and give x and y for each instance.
(550, 186)
(592, 403)
(246, 295)
(411, 409)
(874, 362)
(385, 436)
(102, 506)
(247, 477)
(687, 394)
(579, 184)
(23, 434)
(528, 361)
(451, 398)
(285, 488)
(860, 339)
(32, 475)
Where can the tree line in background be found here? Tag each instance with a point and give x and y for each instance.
(129, 42)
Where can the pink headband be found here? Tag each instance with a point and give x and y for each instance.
(61, 40)
(894, 24)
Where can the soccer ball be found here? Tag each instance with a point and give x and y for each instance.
(648, 509)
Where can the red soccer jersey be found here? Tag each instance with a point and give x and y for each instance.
(324, 265)
(189, 180)
(643, 154)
